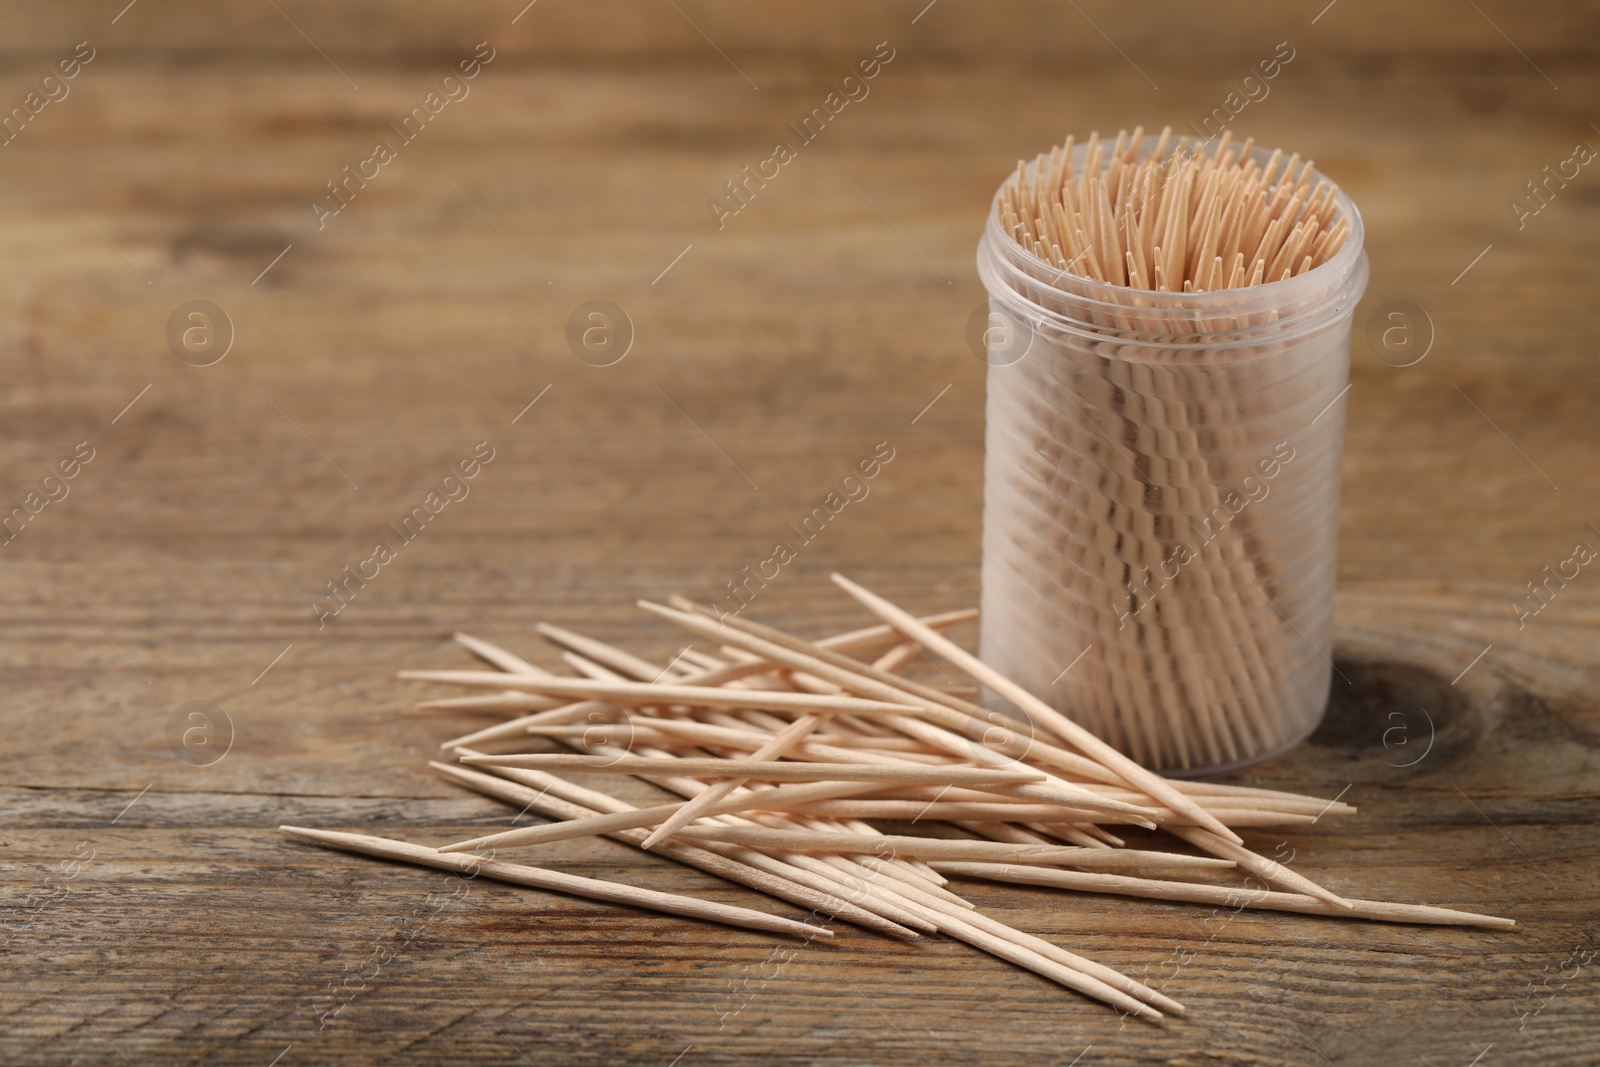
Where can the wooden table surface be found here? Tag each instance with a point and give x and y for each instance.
(154, 915)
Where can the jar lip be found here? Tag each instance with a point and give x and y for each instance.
(1008, 281)
(1329, 279)
(1263, 339)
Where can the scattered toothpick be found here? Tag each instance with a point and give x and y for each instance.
(539, 878)
(854, 740)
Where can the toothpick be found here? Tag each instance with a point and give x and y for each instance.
(916, 809)
(935, 848)
(492, 702)
(1225, 896)
(644, 693)
(766, 771)
(497, 656)
(540, 878)
(519, 727)
(1271, 870)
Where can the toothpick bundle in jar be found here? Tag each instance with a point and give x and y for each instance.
(1169, 345)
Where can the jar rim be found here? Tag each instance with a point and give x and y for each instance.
(1297, 302)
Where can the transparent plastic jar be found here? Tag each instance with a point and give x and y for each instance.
(1161, 501)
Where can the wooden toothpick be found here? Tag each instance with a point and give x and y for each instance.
(643, 693)
(767, 771)
(1226, 896)
(572, 884)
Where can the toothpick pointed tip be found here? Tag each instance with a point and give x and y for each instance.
(312, 834)
(855, 589)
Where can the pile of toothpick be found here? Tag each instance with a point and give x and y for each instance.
(1180, 219)
(785, 749)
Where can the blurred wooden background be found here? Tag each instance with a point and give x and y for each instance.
(828, 315)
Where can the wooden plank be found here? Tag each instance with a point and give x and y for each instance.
(191, 550)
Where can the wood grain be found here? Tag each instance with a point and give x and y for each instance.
(826, 317)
